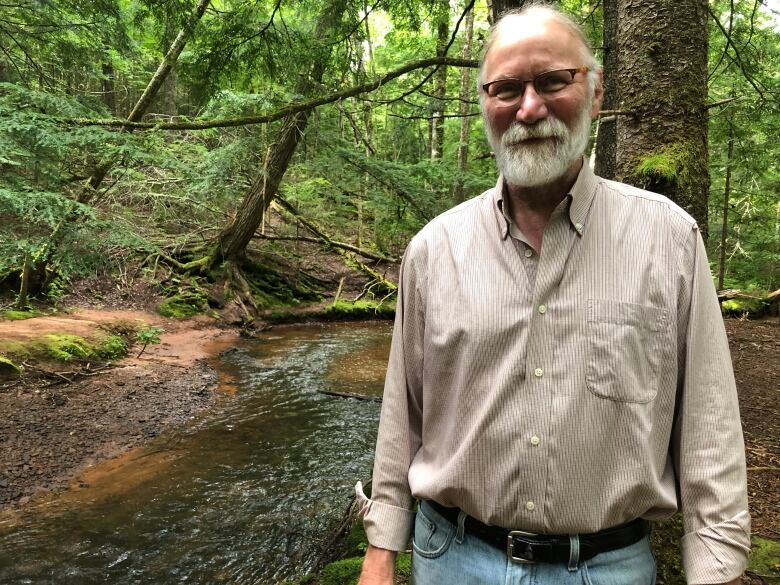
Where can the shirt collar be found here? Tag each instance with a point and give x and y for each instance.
(580, 199)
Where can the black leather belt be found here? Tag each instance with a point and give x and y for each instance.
(527, 547)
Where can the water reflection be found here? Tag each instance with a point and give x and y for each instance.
(244, 495)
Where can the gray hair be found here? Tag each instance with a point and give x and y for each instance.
(545, 11)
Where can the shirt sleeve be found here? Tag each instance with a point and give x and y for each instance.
(707, 444)
(388, 516)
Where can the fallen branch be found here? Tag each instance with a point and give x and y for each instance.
(351, 395)
(334, 243)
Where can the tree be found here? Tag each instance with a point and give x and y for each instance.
(662, 83)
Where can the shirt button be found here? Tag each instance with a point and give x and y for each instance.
(578, 226)
(535, 440)
(538, 372)
(528, 253)
(542, 309)
(530, 506)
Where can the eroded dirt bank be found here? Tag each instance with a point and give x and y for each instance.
(51, 429)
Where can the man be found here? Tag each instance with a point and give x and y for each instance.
(559, 373)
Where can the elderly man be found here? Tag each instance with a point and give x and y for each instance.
(559, 373)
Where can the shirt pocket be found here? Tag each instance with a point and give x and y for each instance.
(626, 346)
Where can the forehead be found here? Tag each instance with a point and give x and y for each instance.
(525, 46)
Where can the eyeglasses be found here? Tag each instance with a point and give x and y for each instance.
(508, 92)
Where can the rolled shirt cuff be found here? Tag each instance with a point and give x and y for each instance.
(387, 526)
(717, 553)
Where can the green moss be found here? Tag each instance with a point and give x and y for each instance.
(183, 305)
(765, 559)
(8, 369)
(20, 315)
(361, 309)
(343, 572)
(740, 307)
(670, 163)
(66, 347)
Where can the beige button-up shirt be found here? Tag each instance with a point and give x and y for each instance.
(568, 391)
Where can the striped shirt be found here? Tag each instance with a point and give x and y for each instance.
(568, 391)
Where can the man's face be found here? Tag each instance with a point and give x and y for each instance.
(537, 140)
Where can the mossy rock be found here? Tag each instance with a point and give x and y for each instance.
(765, 559)
(743, 306)
(183, 306)
(361, 310)
(8, 369)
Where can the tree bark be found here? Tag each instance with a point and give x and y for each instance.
(606, 141)
(439, 81)
(662, 78)
(143, 103)
(466, 91)
(497, 7)
(234, 239)
(724, 230)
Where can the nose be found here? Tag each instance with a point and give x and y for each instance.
(532, 107)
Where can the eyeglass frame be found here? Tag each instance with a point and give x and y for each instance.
(573, 71)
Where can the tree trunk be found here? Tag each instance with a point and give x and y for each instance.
(109, 92)
(466, 91)
(724, 230)
(439, 81)
(662, 79)
(143, 103)
(234, 239)
(606, 141)
(497, 7)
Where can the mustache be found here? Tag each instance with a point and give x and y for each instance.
(547, 128)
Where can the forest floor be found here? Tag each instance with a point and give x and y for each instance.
(55, 426)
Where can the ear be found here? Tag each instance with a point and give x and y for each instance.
(598, 94)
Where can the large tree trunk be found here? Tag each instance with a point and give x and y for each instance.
(606, 142)
(497, 7)
(143, 103)
(466, 91)
(662, 80)
(234, 239)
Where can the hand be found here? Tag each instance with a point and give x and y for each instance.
(378, 567)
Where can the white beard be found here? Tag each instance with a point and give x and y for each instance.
(532, 164)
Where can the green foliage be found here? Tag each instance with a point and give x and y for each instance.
(147, 336)
(357, 541)
(114, 347)
(743, 307)
(67, 347)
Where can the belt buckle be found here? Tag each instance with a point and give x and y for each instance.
(510, 547)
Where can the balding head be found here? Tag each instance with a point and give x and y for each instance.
(537, 15)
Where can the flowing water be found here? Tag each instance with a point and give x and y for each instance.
(244, 495)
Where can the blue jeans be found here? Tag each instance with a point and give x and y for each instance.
(443, 555)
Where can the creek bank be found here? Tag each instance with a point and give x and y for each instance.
(52, 429)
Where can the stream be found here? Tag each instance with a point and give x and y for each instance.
(246, 494)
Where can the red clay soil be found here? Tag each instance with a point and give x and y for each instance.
(55, 425)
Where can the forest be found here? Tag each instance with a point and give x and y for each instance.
(195, 142)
